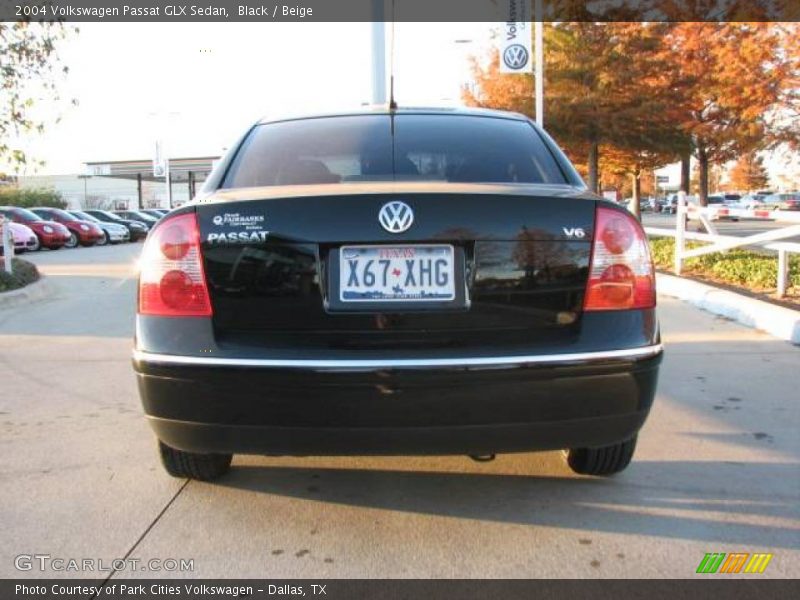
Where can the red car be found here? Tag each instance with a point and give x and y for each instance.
(49, 234)
(84, 233)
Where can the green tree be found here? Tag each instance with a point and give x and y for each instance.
(31, 74)
(28, 198)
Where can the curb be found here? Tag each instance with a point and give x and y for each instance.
(39, 290)
(782, 323)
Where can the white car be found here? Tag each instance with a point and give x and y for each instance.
(752, 201)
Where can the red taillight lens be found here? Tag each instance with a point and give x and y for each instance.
(621, 274)
(171, 281)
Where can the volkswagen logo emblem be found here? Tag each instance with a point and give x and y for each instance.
(515, 56)
(396, 217)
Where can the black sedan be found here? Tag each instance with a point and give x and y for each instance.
(156, 213)
(401, 282)
(136, 215)
(138, 231)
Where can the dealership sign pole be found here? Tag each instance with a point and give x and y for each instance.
(515, 45)
(539, 85)
(161, 169)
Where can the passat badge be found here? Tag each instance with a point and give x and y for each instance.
(238, 228)
(396, 217)
(238, 237)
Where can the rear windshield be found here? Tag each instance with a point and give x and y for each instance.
(401, 148)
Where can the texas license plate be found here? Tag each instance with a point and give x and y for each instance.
(418, 273)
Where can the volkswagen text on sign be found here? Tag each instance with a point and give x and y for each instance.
(515, 46)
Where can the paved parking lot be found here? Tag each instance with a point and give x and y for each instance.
(717, 469)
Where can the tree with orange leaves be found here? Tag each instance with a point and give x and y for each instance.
(749, 174)
(606, 84)
(733, 79)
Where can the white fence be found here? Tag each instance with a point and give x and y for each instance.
(707, 215)
(7, 243)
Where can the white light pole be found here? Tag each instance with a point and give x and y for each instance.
(378, 53)
(86, 179)
(163, 135)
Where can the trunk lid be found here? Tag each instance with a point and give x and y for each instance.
(271, 258)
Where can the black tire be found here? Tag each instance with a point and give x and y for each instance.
(73, 240)
(103, 240)
(38, 245)
(606, 460)
(203, 467)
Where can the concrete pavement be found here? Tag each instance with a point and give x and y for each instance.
(717, 468)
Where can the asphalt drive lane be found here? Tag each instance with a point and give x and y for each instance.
(740, 228)
(717, 468)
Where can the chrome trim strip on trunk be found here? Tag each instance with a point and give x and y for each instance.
(480, 362)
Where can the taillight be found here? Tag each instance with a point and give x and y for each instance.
(171, 278)
(621, 274)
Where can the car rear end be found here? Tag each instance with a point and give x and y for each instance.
(789, 202)
(450, 317)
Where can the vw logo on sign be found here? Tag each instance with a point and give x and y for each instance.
(396, 217)
(515, 56)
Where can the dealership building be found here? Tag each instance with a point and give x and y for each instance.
(128, 184)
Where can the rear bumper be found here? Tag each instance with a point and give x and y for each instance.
(441, 406)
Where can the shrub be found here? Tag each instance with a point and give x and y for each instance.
(24, 273)
(28, 198)
(738, 266)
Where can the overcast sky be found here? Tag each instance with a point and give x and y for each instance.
(199, 85)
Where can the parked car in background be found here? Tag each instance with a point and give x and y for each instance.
(138, 231)
(82, 232)
(135, 215)
(113, 233)
(23, 236)
(670, 204)
(731, 198)
(723, 201)
(784, 200)
(50, 234)
(752, 201)
(158, 213)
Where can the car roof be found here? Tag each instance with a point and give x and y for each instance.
(384, 109)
